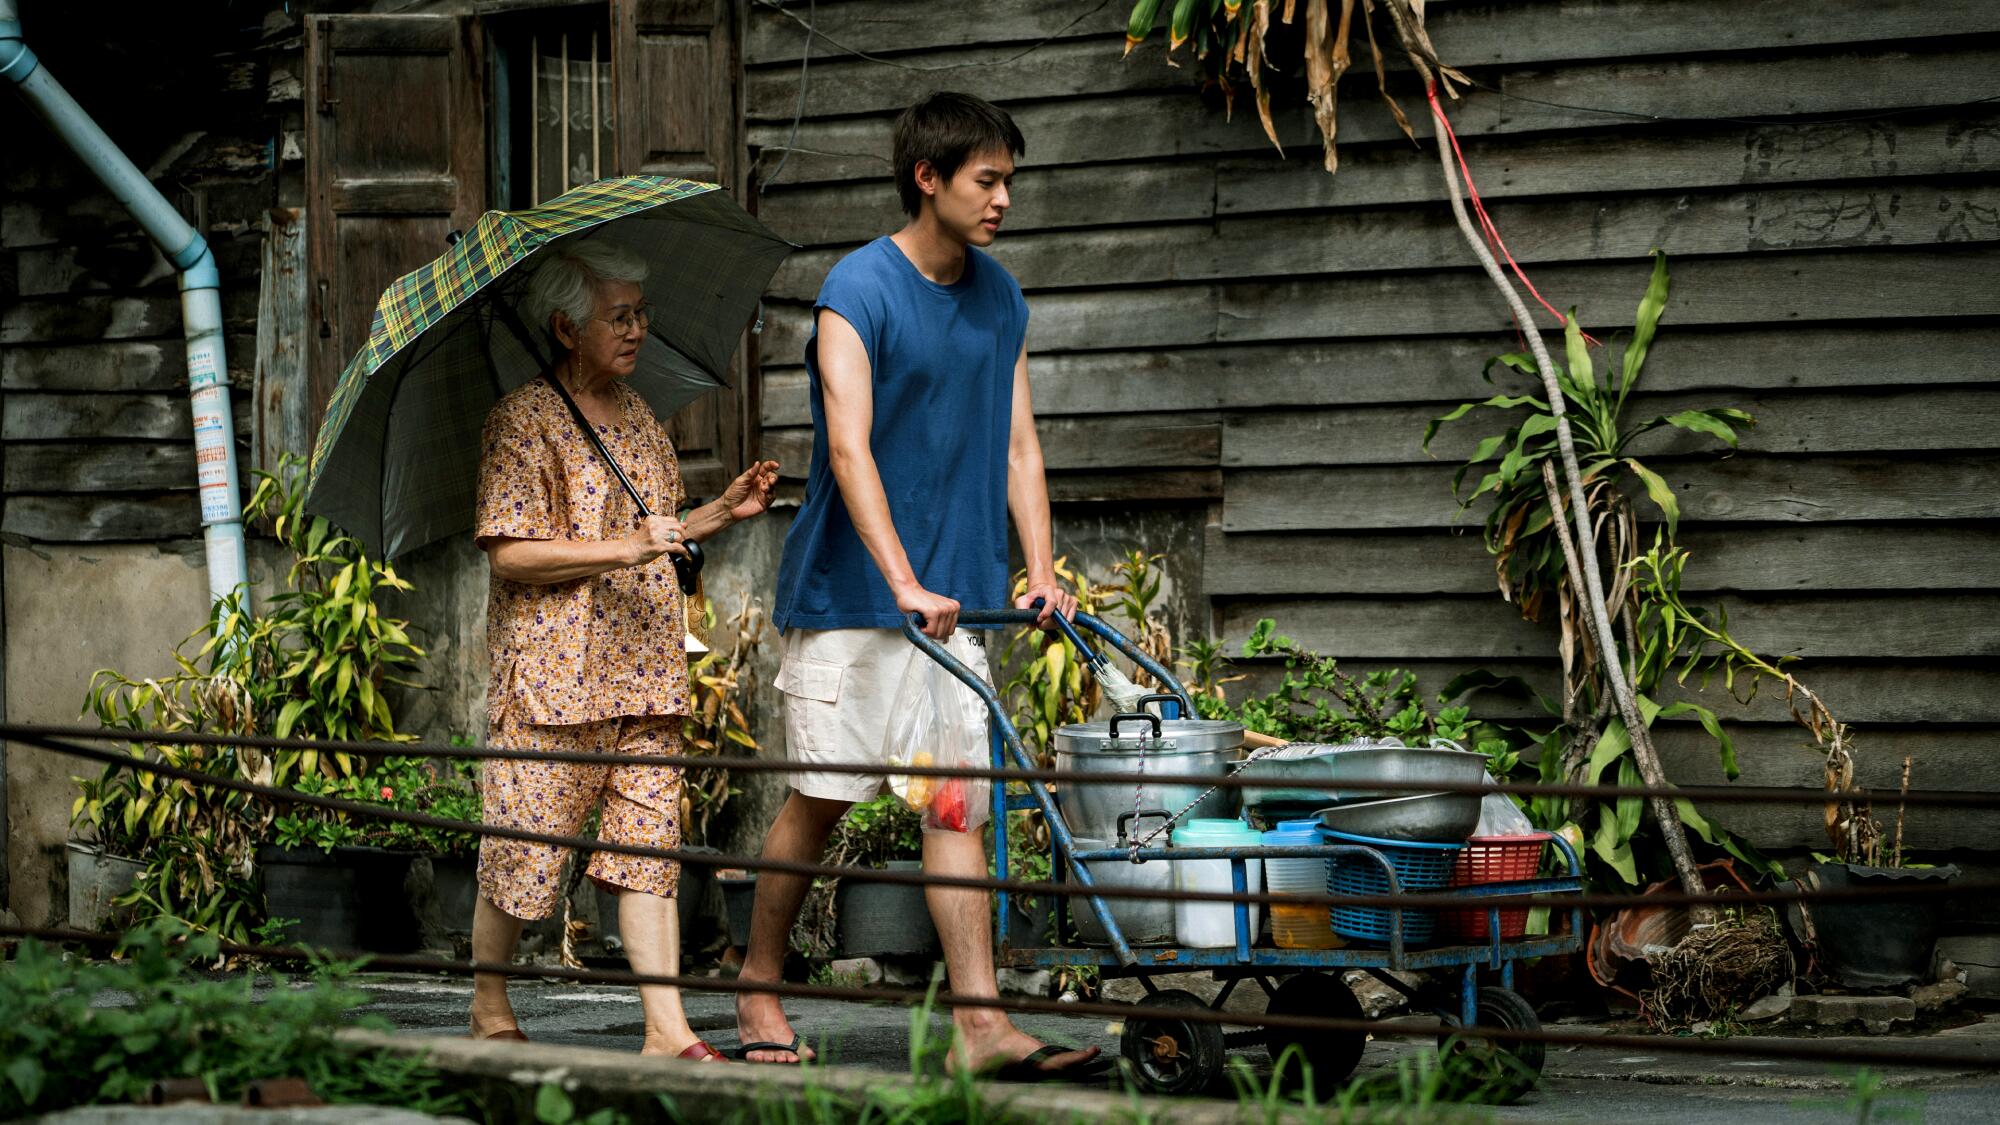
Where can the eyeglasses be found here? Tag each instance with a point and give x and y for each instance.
(622, 324)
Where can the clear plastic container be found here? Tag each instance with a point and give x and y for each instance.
(1298, 927)
(1212, 925)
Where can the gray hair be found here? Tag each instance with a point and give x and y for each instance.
(568, 279)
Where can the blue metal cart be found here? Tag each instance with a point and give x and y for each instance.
(1170, 1055)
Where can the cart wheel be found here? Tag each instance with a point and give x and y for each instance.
(1508, 1070)
(1330, 1055)
(1170, 1055)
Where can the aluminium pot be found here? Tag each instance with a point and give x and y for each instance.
(1137, 745)
(1142, 921)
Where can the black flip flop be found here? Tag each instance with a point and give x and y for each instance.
(1028, 1068)
(796, 1047)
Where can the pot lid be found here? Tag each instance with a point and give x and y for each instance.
(1135, 733)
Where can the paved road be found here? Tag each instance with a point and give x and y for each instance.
(1581, 1083)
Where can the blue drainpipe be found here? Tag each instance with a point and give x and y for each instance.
(201, 297)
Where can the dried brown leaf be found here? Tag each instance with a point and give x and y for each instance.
(1327, 59)
(1253, 38)
(1382, 71)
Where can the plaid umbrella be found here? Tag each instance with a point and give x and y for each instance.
(396, 462)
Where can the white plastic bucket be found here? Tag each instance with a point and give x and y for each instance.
(1211, 925)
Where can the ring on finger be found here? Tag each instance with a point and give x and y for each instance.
(673, 536)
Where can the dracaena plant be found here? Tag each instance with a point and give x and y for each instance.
(1526, 510)
(1513, 480)
(1693, 641)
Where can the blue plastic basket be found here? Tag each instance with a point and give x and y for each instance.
(1418, 867)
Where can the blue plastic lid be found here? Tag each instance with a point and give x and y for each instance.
(1216, 830)
(1294, 832)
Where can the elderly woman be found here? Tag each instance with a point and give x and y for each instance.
(585, 627)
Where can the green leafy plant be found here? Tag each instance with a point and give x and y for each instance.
(112, 810)
(444, 788)
(1662, 639)
(554, 1106)
(1049, 685)
(316, 662)
(312, 665)
(195, 841)
(1520, 530)
(1317, 702)
(1686, 641)
(63, 1046)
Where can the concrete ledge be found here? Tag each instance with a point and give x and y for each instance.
(1878, 1014)
(711, 1092)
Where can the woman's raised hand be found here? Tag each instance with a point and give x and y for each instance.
(658, 535)
(751, 494)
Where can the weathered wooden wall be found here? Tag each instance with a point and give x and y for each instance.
(93, 379)
(1238, 334)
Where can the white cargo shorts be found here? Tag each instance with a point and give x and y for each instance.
(839, 685)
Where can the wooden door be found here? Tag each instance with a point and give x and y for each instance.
(395, 158)
(675, 66)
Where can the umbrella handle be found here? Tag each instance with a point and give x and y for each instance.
(687, 568)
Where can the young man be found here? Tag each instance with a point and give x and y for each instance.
(923, 443)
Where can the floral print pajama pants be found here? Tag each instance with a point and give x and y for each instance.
(641, 806)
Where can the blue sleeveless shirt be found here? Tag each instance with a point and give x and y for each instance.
(942, 359)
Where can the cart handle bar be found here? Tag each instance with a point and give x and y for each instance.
(913, 627)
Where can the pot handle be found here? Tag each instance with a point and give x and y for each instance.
(1180, 705)
(1112, 730)
(1125, 820)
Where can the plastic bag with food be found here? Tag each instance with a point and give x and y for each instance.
(937, 721)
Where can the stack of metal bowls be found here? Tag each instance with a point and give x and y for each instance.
(1398, 803)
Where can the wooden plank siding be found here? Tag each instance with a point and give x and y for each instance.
(94, 416)
(1245, 339)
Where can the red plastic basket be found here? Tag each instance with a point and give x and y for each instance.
(1493, 859)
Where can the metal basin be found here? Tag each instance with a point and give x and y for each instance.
(1431, 818)
(1318, 779)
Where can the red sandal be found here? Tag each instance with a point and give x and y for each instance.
(702, 1052)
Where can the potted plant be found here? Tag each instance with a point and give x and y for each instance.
(1031, 919)
(313, 664)
(444, 878)
(194, 842)
(354, 883)
(106, 840)
(1867, 943)
(867, 919)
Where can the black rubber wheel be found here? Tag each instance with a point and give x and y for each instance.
(1504, 1071)
(1331, 1055)
(1170, 1055)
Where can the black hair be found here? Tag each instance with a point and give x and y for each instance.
(948, 129)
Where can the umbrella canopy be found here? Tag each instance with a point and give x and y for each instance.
(396, 462)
